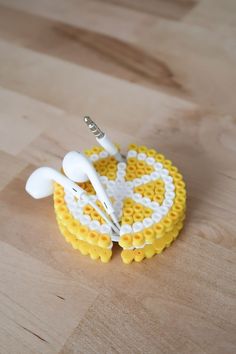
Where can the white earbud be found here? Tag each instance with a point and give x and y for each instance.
(40, 185)
(79, 169)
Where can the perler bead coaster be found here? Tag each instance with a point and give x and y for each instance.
(149, 197)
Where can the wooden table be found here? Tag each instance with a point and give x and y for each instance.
(160, 73)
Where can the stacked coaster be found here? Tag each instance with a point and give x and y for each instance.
(149, 198)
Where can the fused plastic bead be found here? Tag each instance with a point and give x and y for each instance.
(138, 239)
(125, 241)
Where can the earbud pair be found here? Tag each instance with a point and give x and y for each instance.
(77, 168)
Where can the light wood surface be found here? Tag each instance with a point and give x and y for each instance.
(155, 72)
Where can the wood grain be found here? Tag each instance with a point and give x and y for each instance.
(160, 73)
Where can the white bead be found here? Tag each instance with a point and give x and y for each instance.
(150, 160)
(169, 187)
(82, 203)
(118, 205)
(121, 166)
(77, 213)
(68, 199)
(103, 154)
(156, 217)
(137, 226)
(93, 197)
(146, 178)
(129, 184)
(155, 205)
(94, 157)
(136, 182)
(94, 225)
(167, 179)
(105, 229)
(146, 201)
(158, 166)
(104, 179)
(129, 193)
(170, 195)
(125, 229)
(137, 197)
(132, 153)
(147, 222)
(168, 202)
(111, 184)
(121, 173)
(85, 219)
(110, 192)
(155, 175)
(164, 172)
(142, 156)
(164, 210)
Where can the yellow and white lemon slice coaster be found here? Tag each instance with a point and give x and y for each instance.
(149, 197)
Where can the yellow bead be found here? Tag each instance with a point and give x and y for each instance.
(139, 189)
(58, 203)
(138, 255)
(149, 235)
(58, 193)
(148, 169)
(167, 164)
(88, 209)
(105, 256)
(104, 241)
(111, 168)
(127, 256)
(94, 252)
(168, 238)
(95, 216)
(149, 251)
(73, 226)
(74, 243)
(131, 169)
(88, 152)
(66, 217)
(137, 217)
(141, 164)
(140, 172)
(96, 150)
(147, 213)
(128, 202)
(160, 157)
(82, 232)
(128, 211)
(130, 176)
(143, 149)
(84, 248)
(167, 221)
(138, 208)
(174, 216)
(159, 245)
(133, 147)
(159, 230)
(131, 161)
(151, 153)
(93, 237)
(125, 241)
(138, 239)
(127, 220)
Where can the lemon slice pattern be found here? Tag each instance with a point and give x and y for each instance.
(149, 197)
